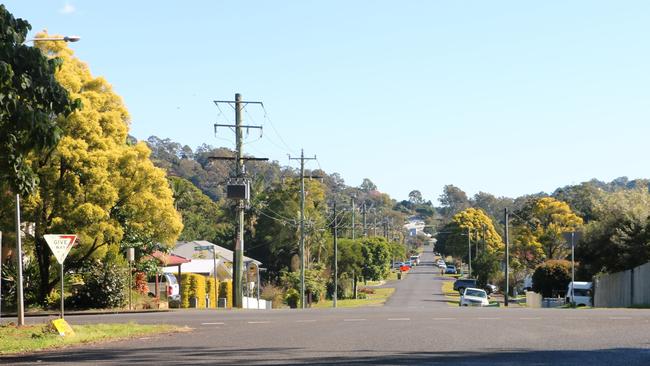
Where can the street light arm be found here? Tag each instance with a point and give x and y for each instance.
(55, 39)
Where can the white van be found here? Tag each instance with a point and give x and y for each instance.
(581, 295)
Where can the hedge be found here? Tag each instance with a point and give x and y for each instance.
(225, 290)
(194, 285)
(210, 290)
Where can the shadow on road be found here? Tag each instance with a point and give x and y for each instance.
(297, 356)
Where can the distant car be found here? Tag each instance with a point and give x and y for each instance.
(406, 266)
(415, 259)
(450, 269)
(462, 283)
(440, 263)
(474, 297)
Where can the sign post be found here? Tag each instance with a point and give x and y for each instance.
(60, 246)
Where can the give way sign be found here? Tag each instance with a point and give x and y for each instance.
(60, 245)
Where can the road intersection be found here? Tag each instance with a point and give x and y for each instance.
(416, 326)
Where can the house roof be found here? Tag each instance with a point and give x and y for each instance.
(169, 259)
(190, 250)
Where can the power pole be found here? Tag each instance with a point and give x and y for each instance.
(374, 224)
(365, 228)
(505, 294)
(469, 251)
(20, 313)
(336, 259)
(353, 209)
(238, 260)
(386, 228)
(302, 224)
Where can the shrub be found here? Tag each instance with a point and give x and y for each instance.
(210, 287)
(552, 277)
(185, 290)
(140, 283)
(291, 298)
(225, 291)
(193, 286)
(104, 287)
(272, 293)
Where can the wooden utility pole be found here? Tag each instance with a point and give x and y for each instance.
(238, 260)
(302, 224)
(336, 259)
(507, 260)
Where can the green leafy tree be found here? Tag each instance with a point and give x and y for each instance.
(32, 104)
(203, 219)
(618, 238)
(552, 277)
(377, 256)
(485, 267)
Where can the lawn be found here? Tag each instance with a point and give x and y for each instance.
(39, 337)
(377, 299)
(450, 294)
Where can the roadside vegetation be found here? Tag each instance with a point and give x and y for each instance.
(66, 149)
(374, 297)
(41, 337)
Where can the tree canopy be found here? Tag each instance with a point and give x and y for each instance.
(32, 104)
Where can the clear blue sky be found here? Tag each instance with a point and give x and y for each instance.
(507, 97)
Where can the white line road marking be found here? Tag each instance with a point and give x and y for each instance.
(354, 320)
(260, 322)
(212, 323)
(620, 318)
(444, 318)
(305, 321)
(398, 319)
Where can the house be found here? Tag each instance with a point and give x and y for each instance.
(203, 261)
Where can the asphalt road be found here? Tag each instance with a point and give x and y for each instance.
(409, 330)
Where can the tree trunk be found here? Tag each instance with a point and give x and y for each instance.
(43, 258)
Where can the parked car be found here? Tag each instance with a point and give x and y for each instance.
(450, 269)
(462, 283)
(474, 297)
(581, 293)
(406, 266)
(167, 286)
(490, 288)
(440, 263)
(415, 259)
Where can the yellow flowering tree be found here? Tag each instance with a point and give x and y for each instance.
(96, 183)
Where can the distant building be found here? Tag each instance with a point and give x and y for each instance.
(202, 261)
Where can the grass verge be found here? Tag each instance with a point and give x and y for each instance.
(377, 299)
(40, 337)
(452, 296)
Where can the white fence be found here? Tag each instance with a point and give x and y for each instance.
(251, 303)
(623, 289)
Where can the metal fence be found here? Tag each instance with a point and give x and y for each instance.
(623, 289)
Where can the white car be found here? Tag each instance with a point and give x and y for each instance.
(474, 297)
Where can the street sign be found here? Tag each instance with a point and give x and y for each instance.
(577, 235)
(60, 245)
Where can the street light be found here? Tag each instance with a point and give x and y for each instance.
(55, 39)
(20, 306)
